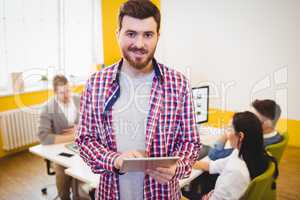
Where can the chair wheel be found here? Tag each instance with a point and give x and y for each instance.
(44, 191)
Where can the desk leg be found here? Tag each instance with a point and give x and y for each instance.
(75, 189)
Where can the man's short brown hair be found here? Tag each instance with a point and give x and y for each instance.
(140, 9)
(59, 80)
(268, 108)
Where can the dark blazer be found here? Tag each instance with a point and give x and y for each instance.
(53, 121)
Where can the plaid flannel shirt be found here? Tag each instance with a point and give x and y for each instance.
(170, 129)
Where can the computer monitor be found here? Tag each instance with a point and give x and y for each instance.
(200, 100)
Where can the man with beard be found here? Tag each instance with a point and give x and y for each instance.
(138, 108)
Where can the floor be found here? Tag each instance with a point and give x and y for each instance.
(23, 175)
(289, 178)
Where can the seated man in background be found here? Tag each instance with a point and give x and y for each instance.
(58, 121)
(268, 113)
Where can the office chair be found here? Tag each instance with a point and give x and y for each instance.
(259, 186)
(277, 149)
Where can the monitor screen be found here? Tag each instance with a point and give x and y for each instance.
(200, 98)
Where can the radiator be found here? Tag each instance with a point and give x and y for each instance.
(19, 127)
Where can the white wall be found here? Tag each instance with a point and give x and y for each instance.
(249, 47)
(83, 36)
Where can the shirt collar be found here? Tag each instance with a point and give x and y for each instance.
(269, 135)
(64, 104)
(156, 67)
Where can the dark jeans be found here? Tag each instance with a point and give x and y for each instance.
(200, 186)
(92, 194)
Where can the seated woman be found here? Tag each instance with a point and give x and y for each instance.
(247, 161)
(268, 112)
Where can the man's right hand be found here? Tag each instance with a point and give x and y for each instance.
(67, 135)
(68, 131)
(128, 154)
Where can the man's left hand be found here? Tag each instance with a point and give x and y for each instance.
(162, 174)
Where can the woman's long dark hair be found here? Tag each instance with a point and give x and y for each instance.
(251, 149)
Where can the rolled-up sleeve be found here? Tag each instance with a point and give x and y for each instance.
(188, 142)
(217, 166)
(98, 156)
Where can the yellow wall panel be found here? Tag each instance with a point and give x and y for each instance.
(218, 118)
(293, 128)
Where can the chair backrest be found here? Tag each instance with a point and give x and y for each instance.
(277, 149)
(260, 184)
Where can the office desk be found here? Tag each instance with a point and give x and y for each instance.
(84, 174)
(51, 152)
(79, 170)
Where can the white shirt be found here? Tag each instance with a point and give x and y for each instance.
(269, 135)
(234, 177)
(69, 110)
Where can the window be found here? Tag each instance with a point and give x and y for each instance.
(45, 37)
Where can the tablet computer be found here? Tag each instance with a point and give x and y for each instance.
(142, 164)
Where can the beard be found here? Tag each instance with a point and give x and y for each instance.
(135, 62)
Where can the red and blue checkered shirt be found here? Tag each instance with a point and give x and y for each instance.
(170, 129)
